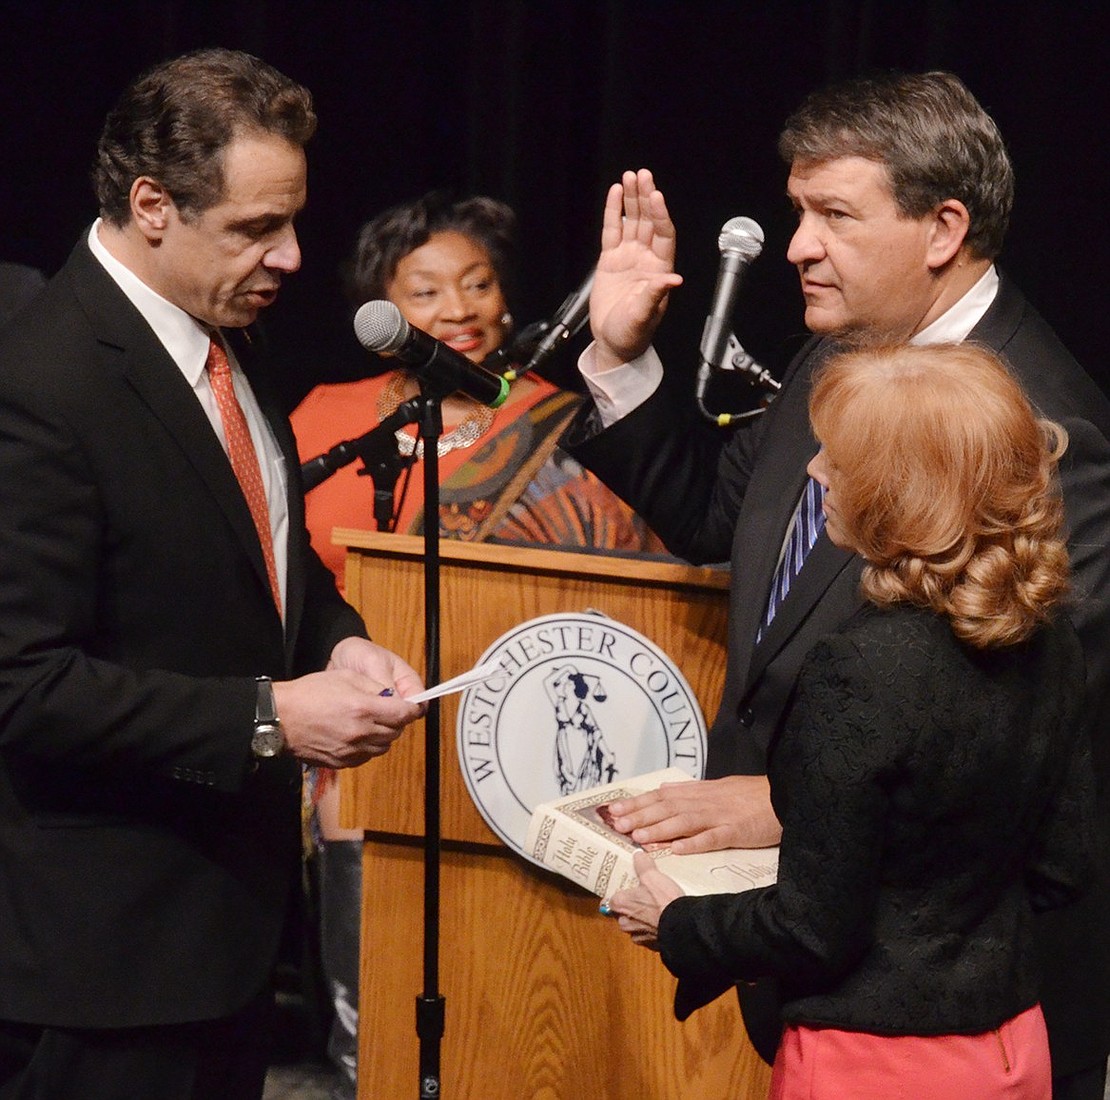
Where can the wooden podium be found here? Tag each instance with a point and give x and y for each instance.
(545, 997)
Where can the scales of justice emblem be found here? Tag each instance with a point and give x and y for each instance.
(580, 700)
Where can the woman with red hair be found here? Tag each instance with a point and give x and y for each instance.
(931, 777)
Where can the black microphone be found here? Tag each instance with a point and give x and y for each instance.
(380, 327)
(568, 319)
(740, 242)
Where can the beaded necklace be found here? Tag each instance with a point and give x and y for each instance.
(465, 434)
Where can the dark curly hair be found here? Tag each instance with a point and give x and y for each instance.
(384, 241)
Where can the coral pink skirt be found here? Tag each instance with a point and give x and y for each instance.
(1009, 1063)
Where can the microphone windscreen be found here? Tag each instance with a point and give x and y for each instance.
(380, 327)
(743, 235)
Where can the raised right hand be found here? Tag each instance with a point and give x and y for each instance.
(635, 272)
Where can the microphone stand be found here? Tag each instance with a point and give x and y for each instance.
(430, 1004)
(380, 459)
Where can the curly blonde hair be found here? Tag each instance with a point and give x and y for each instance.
(945, 483)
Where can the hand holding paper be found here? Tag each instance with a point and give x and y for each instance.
(457, 683)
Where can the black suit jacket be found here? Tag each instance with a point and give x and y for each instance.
(713, 497)
(18, 285)
(146, 860)
(932, 796)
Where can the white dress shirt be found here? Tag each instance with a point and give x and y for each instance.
(186, 342)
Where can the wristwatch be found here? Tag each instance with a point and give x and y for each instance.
(268, 739)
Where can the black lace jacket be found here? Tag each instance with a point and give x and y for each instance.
(932, 797)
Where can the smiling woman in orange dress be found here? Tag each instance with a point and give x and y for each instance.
(502, 477)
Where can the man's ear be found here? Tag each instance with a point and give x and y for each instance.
(150, 207)
(947, 233)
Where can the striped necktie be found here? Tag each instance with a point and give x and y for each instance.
(809, 521)
(244, 459)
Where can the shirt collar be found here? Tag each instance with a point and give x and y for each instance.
(181, 334)
(954, 325)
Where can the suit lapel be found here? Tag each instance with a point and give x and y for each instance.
(823, 565)
(768, 510)
(131, 348)
(771, 509)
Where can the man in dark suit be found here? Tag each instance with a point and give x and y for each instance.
(903, 190)
(163, 622)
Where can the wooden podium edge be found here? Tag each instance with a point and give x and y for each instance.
(641, 570)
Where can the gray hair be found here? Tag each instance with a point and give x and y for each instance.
(931, 134)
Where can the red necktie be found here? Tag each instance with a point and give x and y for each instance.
(244, 460)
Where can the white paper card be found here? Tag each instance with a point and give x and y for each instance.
(458, 683)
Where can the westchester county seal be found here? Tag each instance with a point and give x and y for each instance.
(580, 700)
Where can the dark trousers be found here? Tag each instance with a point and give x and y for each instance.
(340, 906)
(1089, 1084)
(224, 1059)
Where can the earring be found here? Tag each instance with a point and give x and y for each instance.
(506, 319)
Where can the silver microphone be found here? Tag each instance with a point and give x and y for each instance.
(740, 242)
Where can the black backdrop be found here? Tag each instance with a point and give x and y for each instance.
(543, 104)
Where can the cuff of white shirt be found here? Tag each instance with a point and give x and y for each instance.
(619, 390)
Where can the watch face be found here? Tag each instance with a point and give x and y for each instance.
(268, 740)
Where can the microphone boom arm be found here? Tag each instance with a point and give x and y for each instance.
(735, 358)
(317, 470)
(738, 359)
